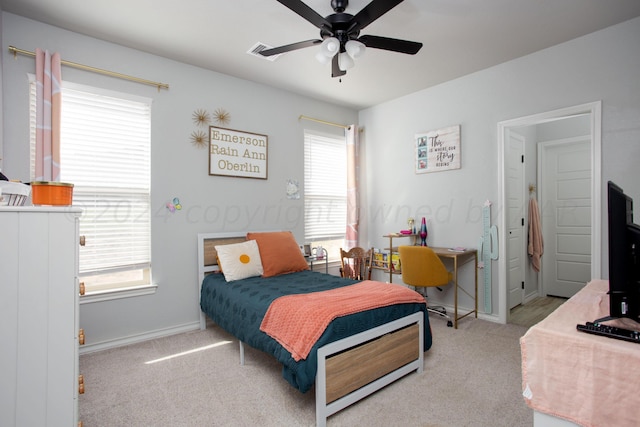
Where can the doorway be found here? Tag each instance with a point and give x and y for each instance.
(524, 125)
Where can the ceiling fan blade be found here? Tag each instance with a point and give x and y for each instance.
(335, 68)
(371, 12)
(289, 47)
(306, 12)
(386, 43)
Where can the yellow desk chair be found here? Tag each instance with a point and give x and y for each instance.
(422, 268)
(356, 263)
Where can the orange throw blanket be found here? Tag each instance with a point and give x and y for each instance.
(298, 321)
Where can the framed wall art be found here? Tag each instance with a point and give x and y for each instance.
(438, 150)
(237, 153)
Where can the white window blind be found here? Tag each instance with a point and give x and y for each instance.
(325, 186)
(105, 153)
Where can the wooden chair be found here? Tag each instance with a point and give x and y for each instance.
(422, 268)
(356, 263)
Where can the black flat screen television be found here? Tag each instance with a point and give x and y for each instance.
(624, 256)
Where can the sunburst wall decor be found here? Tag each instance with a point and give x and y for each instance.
(222, 116)
(199, 139)
(201, 117)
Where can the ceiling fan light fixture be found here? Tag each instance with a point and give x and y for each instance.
(345, 61)
(340, 33)
(355, 49)
(322, 58)
(330, 46)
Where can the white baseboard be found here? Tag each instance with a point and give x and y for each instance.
(133, 339)
(489, 317)
(188, 327)
(463, 310)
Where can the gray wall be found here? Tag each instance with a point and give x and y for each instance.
(178, 169)
(601, 66)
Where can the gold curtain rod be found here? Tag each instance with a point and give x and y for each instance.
(15, 51)
(324, 122)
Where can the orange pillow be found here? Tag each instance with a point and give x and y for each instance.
(279, 252)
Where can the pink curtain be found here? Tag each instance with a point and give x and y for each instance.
(48, 107)
(351, 239)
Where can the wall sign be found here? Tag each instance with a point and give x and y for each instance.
(438, 150)
(237, 153)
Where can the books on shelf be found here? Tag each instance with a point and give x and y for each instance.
(395, 262)
(381, 259)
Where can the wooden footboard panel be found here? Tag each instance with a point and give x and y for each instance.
(355, 367)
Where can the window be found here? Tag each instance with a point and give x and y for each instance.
(105, 153)
(325, 191)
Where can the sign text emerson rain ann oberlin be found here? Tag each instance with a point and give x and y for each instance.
(237, 153)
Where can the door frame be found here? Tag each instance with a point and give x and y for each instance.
(594, 109)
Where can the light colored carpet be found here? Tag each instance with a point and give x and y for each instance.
(472, 377)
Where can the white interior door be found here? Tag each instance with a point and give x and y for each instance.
(566, 215)
(515, 218)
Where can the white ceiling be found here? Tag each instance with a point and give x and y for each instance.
(459, 37)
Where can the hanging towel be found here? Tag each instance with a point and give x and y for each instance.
(536, 247)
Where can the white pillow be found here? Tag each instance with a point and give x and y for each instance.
(239, 260)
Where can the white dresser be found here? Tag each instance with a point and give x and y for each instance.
(39, 289)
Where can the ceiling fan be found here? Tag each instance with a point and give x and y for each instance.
(340, 33)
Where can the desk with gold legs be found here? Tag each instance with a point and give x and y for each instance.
(460, 258)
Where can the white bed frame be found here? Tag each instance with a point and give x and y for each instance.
(349, 369)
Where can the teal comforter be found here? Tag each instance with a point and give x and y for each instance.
(239, 306)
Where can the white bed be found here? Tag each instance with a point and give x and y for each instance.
(391, 350)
